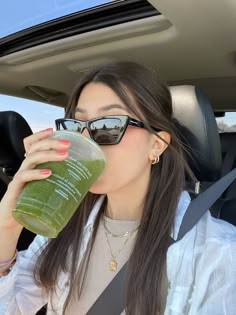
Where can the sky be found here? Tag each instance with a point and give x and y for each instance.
(229, 118)
(17, 15)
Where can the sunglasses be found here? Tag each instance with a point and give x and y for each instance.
(106, 130)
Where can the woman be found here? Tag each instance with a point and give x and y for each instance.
(129, 214)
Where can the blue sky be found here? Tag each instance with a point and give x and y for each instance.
(230, 118)
(17, 15)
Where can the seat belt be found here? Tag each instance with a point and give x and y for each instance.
(112, 299)
(199, 206)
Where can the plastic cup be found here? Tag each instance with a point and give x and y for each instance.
(45, 206)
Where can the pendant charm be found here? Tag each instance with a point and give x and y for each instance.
(113, 264)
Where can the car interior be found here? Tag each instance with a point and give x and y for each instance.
(191, 44)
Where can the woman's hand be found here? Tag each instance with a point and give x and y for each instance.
(39, 148)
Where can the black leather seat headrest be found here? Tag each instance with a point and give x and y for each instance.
(198, 129)
(228, 141)
(13, 129)
(227, 212)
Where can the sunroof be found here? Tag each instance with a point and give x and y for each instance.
(33, 23)
(16, 16)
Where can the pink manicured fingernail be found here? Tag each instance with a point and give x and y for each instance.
(48, 129)
(61, 152)
(64, 141)
(45, 171)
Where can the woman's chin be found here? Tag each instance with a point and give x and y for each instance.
(97, 188)
(97, 191)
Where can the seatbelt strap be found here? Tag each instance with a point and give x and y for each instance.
(199, 206)
(112, 299)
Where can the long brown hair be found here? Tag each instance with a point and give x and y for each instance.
(147, 263)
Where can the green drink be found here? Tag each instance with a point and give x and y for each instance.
(45, 206)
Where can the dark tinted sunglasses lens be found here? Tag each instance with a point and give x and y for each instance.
(72, 125)
(107, 130)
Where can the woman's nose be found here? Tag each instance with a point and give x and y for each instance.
(85, 133)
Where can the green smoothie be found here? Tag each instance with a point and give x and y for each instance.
(45, 206)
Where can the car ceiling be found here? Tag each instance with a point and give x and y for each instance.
(191, 42)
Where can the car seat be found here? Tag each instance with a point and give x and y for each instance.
(13, 129)
(199, 132)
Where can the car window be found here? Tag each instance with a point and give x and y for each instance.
(227, 123)
(19, 15)
(38, 115)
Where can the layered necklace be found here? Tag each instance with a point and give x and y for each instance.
(113, 262)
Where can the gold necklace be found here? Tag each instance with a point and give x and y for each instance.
(113, 262)
(118, 235)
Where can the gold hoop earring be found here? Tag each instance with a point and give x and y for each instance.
(155, 160)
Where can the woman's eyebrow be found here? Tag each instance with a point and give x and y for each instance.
(80, 110)
(111, 106)
(101, 109)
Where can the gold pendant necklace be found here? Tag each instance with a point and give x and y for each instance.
(113, 262)
(119, 235)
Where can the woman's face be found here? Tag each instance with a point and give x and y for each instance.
(128, 160)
